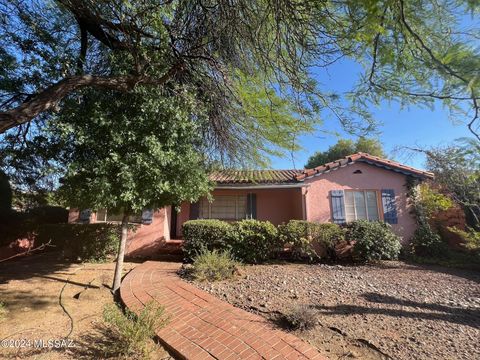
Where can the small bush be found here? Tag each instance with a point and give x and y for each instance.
(310, 240)
(372, 241)
(202, 235)
(427, 243)
(255, 241)
(298, 234)
(329, 235)
(432, 201)
(132, 331)
(86, 242)
(301, 317)
(213, 265)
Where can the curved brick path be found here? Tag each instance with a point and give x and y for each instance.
(204, 327)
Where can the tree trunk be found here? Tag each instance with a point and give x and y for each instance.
(121, 254)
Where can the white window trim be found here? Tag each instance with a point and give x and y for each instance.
(209, 204)
(364, 191)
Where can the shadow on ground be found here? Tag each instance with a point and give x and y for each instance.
(455, 315)
(36, 265)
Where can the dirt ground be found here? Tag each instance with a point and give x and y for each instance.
(393, 310)
(48, 299)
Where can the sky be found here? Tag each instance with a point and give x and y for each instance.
(413, 127)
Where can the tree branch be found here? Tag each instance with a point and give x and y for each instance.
(83, 48)
(48, 98)
(447, 68)
(93, 24)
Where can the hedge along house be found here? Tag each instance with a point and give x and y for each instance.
(359, 186)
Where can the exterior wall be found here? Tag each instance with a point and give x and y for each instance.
(279, 205)
(311, 202)
(274, 205)
(150, 239)
(318, 205)
(182, 216)
(74, 215)
(147, 240)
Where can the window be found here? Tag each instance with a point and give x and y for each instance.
(104, 216)
(361, 205)
(224, 207)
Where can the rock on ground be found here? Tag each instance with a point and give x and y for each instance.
(388, 310)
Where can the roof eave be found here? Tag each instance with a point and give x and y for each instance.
(352, 160)
(240, 186)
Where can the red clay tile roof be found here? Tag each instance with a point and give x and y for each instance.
(255, 176)
(225, 177)
(367, 158)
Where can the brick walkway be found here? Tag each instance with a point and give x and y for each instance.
(204, 327)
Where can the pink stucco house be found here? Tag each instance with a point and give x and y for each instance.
(359, 186)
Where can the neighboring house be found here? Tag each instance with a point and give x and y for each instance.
(359, 186)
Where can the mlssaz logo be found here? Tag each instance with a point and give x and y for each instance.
(54, 343)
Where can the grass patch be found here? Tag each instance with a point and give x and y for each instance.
(132, 331)
(213, 265)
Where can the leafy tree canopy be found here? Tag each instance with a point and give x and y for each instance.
(129, 151)
(416, 52)
(345, 147)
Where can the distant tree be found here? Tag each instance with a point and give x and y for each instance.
(32, 167)
(457, 170)
(370, 146)
(345, 147)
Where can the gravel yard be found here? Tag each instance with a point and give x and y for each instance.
(391, 310)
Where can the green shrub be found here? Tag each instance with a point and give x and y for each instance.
(427, 243)
(305, 237)
(86, 242)
(131, 331)
(213, 265)
(248, 240)
(202, 235)
(372, 241)
(329, 235)
(432, 201)
(298, 234)
(255, 241)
